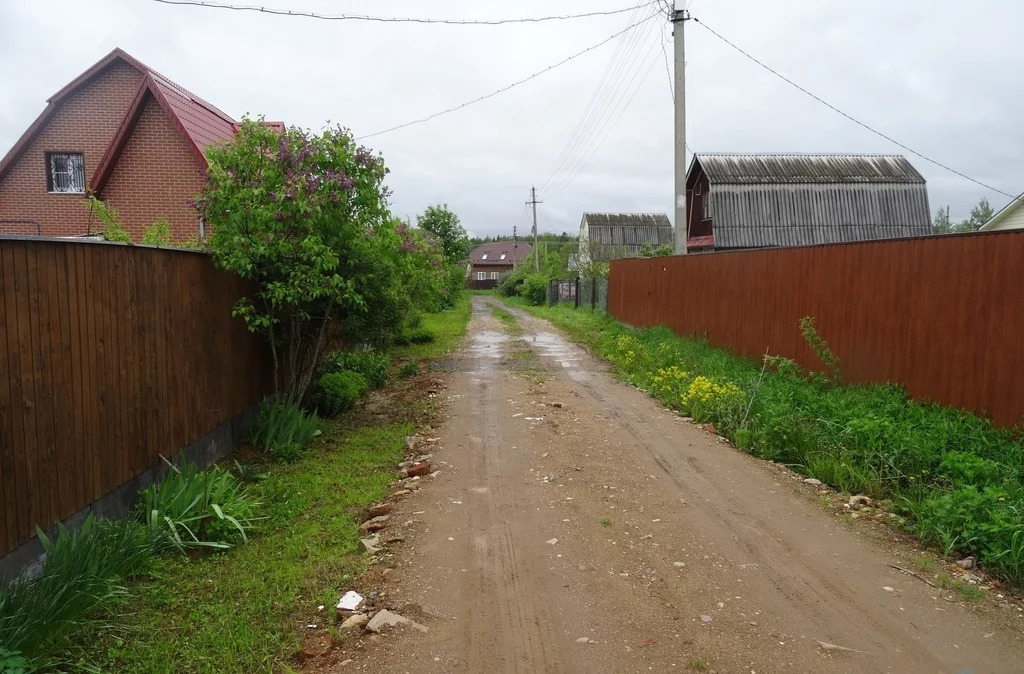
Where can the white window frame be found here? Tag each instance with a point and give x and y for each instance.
(481, 276)
(494, 276)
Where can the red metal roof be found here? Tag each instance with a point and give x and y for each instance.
(203, 123)
(200, 123)
(707, 241)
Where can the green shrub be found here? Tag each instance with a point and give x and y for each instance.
(535, 289)
(414, 336)
(83, 572)
(158, 234)
(510, 284)
(281, 424)
(375, 366)
(409, 369)
(338, 392)
(194, 508)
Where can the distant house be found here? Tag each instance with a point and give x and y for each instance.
(1010, 217)
(127, 134)
(605, 236)
(489, 260)
(736, 201)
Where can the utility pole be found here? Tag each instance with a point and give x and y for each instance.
(536, 251)
(679, 18)
(513, 247)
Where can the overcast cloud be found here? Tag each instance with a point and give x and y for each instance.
(941, 77)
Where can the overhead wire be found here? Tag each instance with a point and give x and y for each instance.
(585, 160)
(607, 95)
(609, 120)
(503, 89)
(392, 19)
(850, 117)
(622, 47)
(609, 90)
(668, 70)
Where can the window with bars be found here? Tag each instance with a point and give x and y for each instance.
(65, 172)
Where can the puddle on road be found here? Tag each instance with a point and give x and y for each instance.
(553, 346)
(488, 347)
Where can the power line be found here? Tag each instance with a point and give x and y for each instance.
(505, 88)
(596, 146)
(392, 19)
(579, 163)
(668, 70)
(850, 117)
(588, 110)
(602, 103)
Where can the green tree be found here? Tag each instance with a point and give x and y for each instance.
(980, 214)
(941, 223)
(304, 217)
(451, 235)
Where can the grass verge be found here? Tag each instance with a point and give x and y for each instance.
(241, 611)
(246, 609)
(447, 327)
(956, 479)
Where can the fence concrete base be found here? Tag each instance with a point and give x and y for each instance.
(120, 500)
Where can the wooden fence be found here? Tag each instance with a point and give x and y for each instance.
(942, 315)
(109, 356)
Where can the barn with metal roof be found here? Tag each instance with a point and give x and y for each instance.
(737, 201)
(604, 236)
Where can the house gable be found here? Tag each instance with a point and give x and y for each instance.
(117, 103)
(153, 174)
(81, 120)
(1010, 216)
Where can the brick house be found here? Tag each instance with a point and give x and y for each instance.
(127, 134)
(488, 261)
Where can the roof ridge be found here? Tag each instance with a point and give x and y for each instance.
(163, 79)
(797, 154)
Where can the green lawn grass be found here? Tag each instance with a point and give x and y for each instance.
(448, 327)
(241, 610)
(956, 479)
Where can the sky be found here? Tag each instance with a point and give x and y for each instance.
(940, 77)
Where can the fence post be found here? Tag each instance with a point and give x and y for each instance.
(593, 293)
(576, 303)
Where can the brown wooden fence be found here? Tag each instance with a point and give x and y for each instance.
(109, 356)
(942, 315)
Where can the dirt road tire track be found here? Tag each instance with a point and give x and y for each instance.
(660, 526)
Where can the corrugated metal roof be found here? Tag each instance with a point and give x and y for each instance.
(627, 220)
(204, 123)
(758, 216)
(614, 235)
(806, 168)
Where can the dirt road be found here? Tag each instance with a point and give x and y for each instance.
(578, 526)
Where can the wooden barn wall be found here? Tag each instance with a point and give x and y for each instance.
(110, 355)
(941, 315)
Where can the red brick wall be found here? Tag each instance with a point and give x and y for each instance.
(155, 175)
(86, 122)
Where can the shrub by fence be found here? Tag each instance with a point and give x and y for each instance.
(110, 356)
(941, 315)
